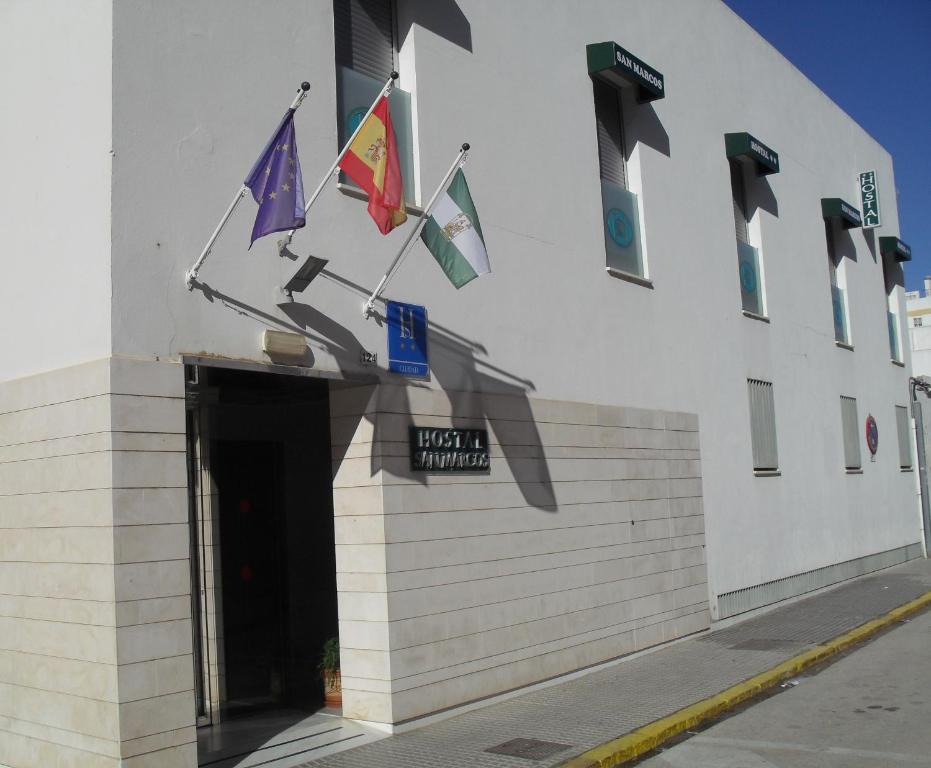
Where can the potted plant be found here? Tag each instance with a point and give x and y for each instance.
(329, 671)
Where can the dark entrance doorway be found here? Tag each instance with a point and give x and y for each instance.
(253, 535)
(264, 572)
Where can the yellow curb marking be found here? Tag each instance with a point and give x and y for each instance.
(650, 736)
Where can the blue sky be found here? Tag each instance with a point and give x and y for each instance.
(874, 60)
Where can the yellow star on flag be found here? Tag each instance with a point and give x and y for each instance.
(272, 195)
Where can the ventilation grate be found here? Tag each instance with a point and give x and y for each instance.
(748, 598)
(529, 749)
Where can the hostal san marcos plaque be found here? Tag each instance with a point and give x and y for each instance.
(441, 449)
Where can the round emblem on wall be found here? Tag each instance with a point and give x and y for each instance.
(354, 118)
(872, 434)
(747, 277)
(619, 227)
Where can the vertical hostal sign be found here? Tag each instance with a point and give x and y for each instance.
(869, 199)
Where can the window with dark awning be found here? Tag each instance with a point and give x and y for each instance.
(845, 213)
(892, 246)
(620, 68)
(743, 146)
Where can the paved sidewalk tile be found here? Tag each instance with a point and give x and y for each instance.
(603, 705)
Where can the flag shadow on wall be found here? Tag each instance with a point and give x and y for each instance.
(478, 392)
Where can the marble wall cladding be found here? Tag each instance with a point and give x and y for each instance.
(361, 562)
(95, 634)
(584, 541)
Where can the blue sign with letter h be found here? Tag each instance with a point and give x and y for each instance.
(407, 339)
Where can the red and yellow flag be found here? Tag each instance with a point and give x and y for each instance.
(372, 163)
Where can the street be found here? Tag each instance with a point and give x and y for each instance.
(869, 709)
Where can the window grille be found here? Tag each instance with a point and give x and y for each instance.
(763, 425)
(610, 120)
(739, 195)
(364, 36)
(905, 443)
(832, 253)
(850, 423)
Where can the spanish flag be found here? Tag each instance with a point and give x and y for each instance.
(372, 162)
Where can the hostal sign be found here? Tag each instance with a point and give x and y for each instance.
(438, 449)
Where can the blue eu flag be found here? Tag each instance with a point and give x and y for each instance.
(275, 181)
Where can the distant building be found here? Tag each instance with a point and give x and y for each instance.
(918, 308)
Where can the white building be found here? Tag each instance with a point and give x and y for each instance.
(633, 164)
(919, 328)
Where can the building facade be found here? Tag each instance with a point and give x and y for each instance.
(674, 360)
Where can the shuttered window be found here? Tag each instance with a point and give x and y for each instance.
(739, 196)
(832, 257)
(610, 120)
(364, 36)
(763, 425)
(850, 422)
(905, 443)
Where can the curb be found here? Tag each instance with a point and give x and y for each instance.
(642, 740)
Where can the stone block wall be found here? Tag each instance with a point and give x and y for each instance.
(95, 635)
(584, 542)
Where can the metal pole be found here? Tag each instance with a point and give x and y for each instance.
(191, 275)
(386, 89)
(369, 307)
(922, 469)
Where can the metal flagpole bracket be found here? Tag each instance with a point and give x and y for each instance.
(301, 93)
(368, 309)
(334, 169)
(191, 275)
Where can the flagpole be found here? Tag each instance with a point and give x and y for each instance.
(386, 89)
(191, 275)
(369, 307)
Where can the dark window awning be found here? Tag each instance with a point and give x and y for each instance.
(892, 246)
(620, 68)
(746, 147)
(835, 208)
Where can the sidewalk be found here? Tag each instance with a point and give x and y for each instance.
(583, 713)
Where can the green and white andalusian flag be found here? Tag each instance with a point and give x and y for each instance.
(454, 236)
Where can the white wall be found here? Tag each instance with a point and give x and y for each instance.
(549, 320)
(55, 69)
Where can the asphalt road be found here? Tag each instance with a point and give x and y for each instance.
(871, 709)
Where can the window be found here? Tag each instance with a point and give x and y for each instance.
(744, 153)
(748, 257)
(905, 442)
(838, 282)
(620, 206)
(850, 422)
(619, 77)
(763, 425)
(892, 277)
(366, 54)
